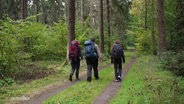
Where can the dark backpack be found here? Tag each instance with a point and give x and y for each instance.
(116, 51)
(73, 51)
(90, 50)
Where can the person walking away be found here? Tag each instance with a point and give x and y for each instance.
(92, 54)
(117, 56)
(75, 55)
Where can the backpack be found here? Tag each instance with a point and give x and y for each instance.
(116, 51)
(90, 50)
(73, 50)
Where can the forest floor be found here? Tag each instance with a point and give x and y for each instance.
(108, 93)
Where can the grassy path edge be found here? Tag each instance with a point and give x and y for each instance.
(38, 99)
(111, 90)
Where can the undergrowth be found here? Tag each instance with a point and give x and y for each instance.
(146, 84)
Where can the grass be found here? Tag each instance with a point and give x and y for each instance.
(146, 84)
(27, 89)
(85, 92)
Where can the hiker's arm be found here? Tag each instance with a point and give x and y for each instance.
(98, 52)
(123, 56)
(80, 53)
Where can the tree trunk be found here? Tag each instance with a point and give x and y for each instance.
(91, 7)
(161, 27)
(146, 14)
(37, 10)
(82, 11)
(23, 9)
(180, 26)
(101, 39)
(2, 8)
(66, 11)
(108, 24)
(153, 29)
(71, 22)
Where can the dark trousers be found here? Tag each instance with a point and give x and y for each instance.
(117, 68)
(75, 68)
(92, 63)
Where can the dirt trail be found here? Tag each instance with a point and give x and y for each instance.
(103, 98)
(42, 96)
(111, 90)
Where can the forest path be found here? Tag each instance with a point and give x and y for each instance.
(42, 96)
(108, 93)
(111, 90)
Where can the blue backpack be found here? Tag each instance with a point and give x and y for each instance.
(90, 50)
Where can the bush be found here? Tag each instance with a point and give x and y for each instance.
(174, 62)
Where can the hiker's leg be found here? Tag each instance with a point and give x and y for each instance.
(120, 68)
(115, 70)
(72, 71)
(95, 67)
(77, 70)
(89, 70)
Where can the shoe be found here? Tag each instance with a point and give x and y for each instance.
(97, 78)
(77, 78)
(70, 78)
(119, 78)
(89, 79)
(116, 80)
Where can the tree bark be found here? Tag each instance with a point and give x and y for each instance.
(180, 26)
(153, 29)
(101, 39)
(91, 7)
(71, 22)
(146, 14)
(2, 8)
(82, 11)
(108, 24)
(161, 28)
(23, 9)
(37, 10)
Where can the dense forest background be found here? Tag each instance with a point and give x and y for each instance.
(33, 31)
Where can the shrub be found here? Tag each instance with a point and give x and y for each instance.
(174, 62)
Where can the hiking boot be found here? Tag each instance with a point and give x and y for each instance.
(116, 80)
(97, 78)
(70, 78)
(119, 78)
(89, 79)
(77, 78)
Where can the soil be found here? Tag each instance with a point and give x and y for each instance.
(39, 97)
(109, 92)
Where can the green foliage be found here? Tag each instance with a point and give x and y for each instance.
(24, 42)
(143, 41)
(8, 43)
(174, 62)
(146, 84)
(6, 82)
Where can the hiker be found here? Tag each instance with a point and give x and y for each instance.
(117, 56)
(75, 55)
(92, 54)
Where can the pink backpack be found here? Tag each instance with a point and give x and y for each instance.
(73, 50)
